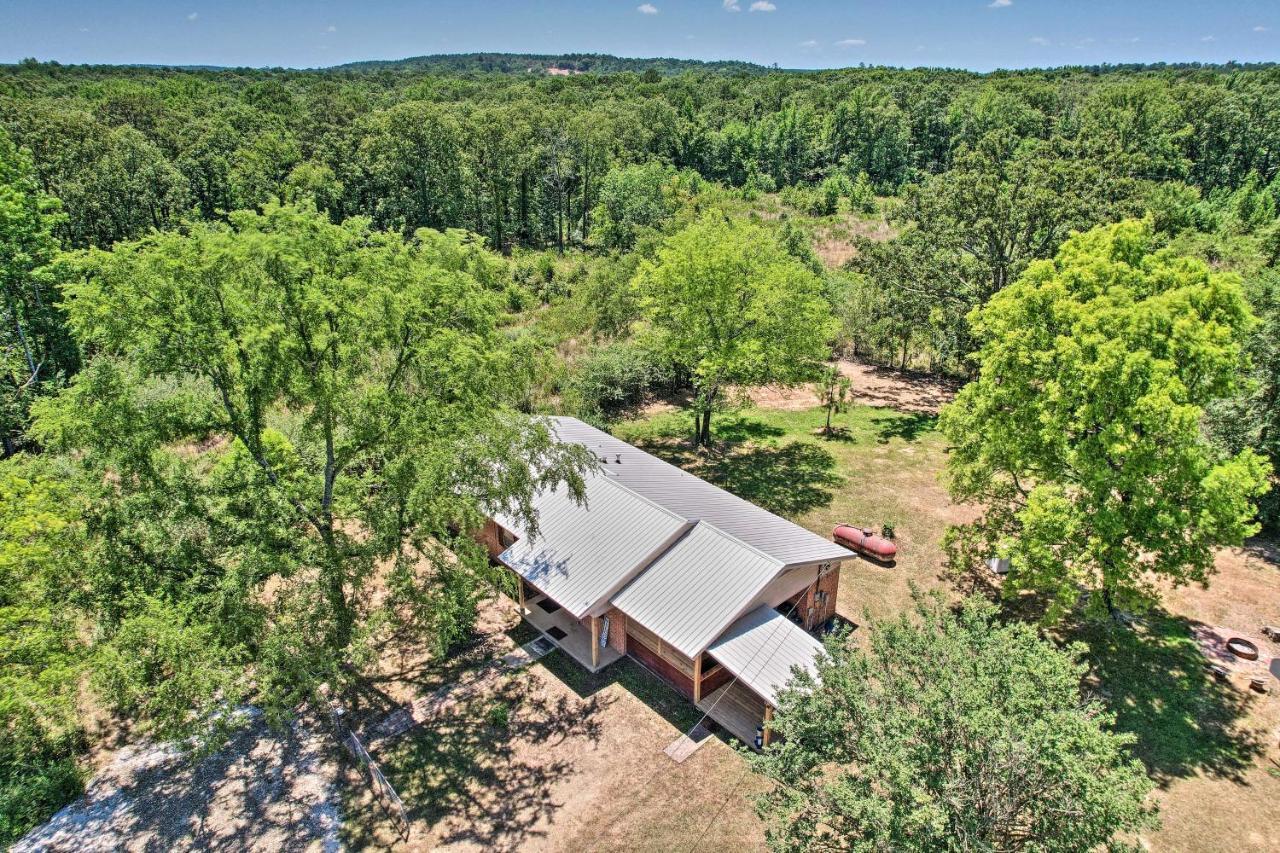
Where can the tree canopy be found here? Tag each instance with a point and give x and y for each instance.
(1081, 434)
(282, 397)
(951, 732)
(732, 307)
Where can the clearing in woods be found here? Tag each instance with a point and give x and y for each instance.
(552, 758)
(569, 761)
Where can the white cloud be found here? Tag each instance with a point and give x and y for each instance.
(1208, 38)
(193, 16)
(1040, 40)
(331, 29)
(763, 6)
(999, 4)
(809, 43)
(1260, 29)
(647, 9)
(851, 42)
(732, 6)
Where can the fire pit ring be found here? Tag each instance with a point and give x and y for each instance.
(1242, 648)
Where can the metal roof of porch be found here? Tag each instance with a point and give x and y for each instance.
(762, 648)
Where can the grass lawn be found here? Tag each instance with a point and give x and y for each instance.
(1211, 747)
(882, 467)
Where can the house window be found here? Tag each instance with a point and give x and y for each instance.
(505, 537)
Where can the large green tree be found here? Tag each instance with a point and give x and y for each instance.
(284, 400)
(41, 651)
(951, 732)
(36, 352)
(1082, 434)
(732, 307)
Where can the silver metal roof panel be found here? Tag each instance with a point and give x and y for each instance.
(695, 499)
(583, 553)
(762, 648)
(695, 590)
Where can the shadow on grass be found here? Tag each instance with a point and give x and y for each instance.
(470, 765)
(907, 427)
(662, 699)
(1153, 677)
(369, 695)
(788, 479)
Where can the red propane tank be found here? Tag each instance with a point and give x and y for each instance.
(862, 540)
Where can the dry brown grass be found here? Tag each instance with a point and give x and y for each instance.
(834, 242)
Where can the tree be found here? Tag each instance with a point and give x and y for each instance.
(1082, 433)
(632, 197)
(1006, 202)
(1251, 418)
(834, 391)
(40, 652)
(36, 353)
(351, 385)
(732, 307)
(951, 732)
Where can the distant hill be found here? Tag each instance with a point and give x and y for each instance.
(564, 63)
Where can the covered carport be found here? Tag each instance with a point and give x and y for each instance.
(761, 650)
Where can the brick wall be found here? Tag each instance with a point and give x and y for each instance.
(617, 630)
(825, 595)
(817, 603)
(488, 537)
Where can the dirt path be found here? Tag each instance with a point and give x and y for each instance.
(872, 386)
(884, 387)
(264, 791)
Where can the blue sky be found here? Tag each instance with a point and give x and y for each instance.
(977, 34)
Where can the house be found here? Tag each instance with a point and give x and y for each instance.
(711, 592)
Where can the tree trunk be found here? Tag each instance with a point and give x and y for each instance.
(336, 596)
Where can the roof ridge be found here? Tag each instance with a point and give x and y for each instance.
(727, 535)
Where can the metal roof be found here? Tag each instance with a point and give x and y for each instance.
(584, 552)
(762, 648)
(690, 594)
(695, 499)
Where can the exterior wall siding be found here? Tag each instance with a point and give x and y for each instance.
(490, 537)
(661, 667)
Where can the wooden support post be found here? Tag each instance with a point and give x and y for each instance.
(520, 586)
(768, 718)
(697, 679)
(595, 641)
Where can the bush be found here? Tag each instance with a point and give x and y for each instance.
(38, 771)
(632, 198)
(862, 195)
(618, 376)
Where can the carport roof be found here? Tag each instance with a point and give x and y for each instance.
(762, 649)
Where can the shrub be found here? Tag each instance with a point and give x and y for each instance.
(618, 376)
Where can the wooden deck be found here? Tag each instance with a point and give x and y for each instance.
(737, 709)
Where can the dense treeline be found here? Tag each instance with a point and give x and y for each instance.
(520, 158)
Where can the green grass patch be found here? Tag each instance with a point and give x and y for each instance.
(1153, 677)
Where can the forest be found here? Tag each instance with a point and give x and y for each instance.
(272, 339)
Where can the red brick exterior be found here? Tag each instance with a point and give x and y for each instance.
(617, 630)
(488, 537)
(818, 603)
